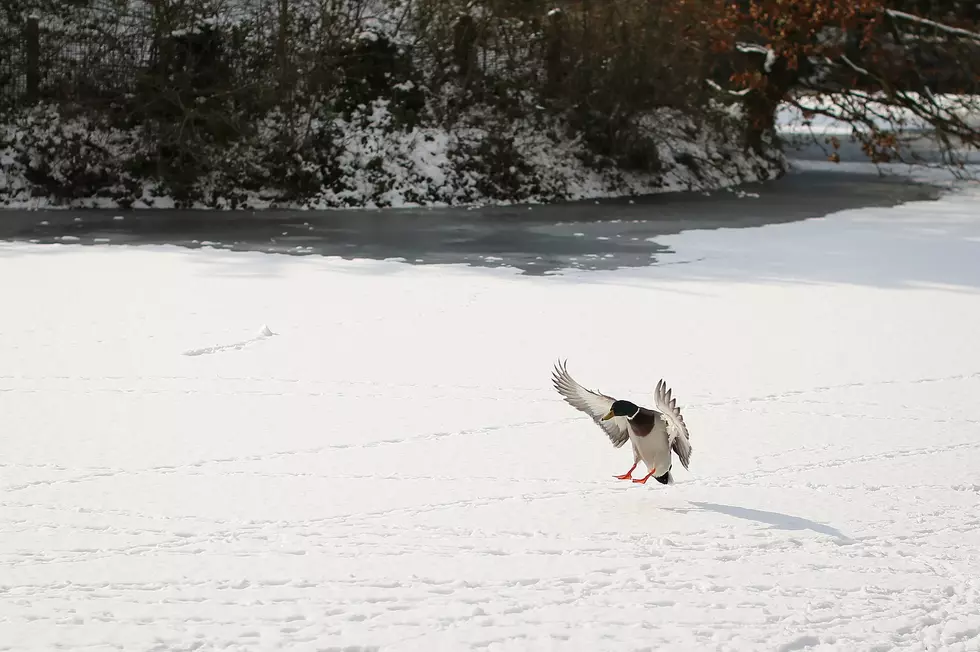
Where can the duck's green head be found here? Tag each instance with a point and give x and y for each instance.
(621, 409)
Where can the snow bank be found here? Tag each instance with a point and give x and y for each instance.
(370, 160)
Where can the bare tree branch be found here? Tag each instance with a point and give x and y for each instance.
(894, 13)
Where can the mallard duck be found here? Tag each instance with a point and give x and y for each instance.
(653, 433)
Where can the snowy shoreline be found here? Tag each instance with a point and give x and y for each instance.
(379, 165)
(375, 164)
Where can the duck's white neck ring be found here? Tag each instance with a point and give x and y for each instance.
(633, 416)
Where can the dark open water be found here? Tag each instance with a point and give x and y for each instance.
(536, 239)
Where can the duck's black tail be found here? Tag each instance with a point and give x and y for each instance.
(666, 478)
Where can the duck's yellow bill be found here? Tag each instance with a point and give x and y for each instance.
(609, 415)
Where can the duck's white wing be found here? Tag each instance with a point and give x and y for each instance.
(677, 436)
(594, 404)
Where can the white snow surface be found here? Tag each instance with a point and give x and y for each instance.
(835, 108)
(393, 471)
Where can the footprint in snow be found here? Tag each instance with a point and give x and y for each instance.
(264, 333)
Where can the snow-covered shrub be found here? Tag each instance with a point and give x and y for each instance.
(45, 153)
(367, 158)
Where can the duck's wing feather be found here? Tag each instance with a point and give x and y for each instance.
(677, 435)
(594, 404)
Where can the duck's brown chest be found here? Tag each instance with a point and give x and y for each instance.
(643, 423)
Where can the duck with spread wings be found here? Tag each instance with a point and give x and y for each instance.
(652, 433)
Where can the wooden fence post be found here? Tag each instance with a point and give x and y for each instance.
(32, 50)
(282, 49)
(554, 50)
(464, 47)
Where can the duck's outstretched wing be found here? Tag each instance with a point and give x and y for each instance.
(594, 404)
(677, 436)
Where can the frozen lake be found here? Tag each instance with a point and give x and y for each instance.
(212, 450)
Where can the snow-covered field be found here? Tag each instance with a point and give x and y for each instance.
(207, 450)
